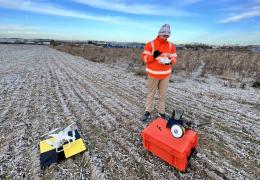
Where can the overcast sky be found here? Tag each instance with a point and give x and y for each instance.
(201, 21)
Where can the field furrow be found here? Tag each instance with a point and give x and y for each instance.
(42, 89)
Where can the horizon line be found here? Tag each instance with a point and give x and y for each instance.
(126, 41)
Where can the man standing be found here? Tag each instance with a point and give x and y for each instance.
(158, 55)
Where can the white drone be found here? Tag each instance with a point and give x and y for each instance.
(164, 60)
(61, 137)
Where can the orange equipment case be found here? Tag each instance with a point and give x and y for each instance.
(176, 151)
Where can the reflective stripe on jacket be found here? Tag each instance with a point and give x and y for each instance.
(153, 67)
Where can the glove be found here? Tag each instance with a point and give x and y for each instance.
(174, 61)
(156, 53)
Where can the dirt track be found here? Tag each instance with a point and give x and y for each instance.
(42, 89)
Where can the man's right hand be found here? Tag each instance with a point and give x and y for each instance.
(156, 53)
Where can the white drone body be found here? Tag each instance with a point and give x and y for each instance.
(164, 60)
(61, 137)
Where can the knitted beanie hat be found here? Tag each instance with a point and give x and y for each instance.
(165, 30)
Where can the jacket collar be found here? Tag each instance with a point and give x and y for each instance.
(160, 40)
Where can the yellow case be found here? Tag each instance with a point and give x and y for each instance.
(75, 148)
(44, 146)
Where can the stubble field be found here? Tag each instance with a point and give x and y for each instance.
(42, 89)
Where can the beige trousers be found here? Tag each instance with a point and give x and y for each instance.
(153, 85)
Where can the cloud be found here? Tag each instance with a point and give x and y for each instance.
(32, 32)
(7, 30)
(18, 27)
(240, 37)
(249, 12)
(141, 9)
(50, 9)
(252, 38)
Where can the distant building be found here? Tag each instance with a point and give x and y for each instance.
(30, 42)
(25, 41)
(125, 45)
(255, 49)
(7, 40)
(180, 47)
(46, 43)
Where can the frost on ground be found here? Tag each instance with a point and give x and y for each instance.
(42, 89)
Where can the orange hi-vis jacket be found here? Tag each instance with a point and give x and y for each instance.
(153, 67)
